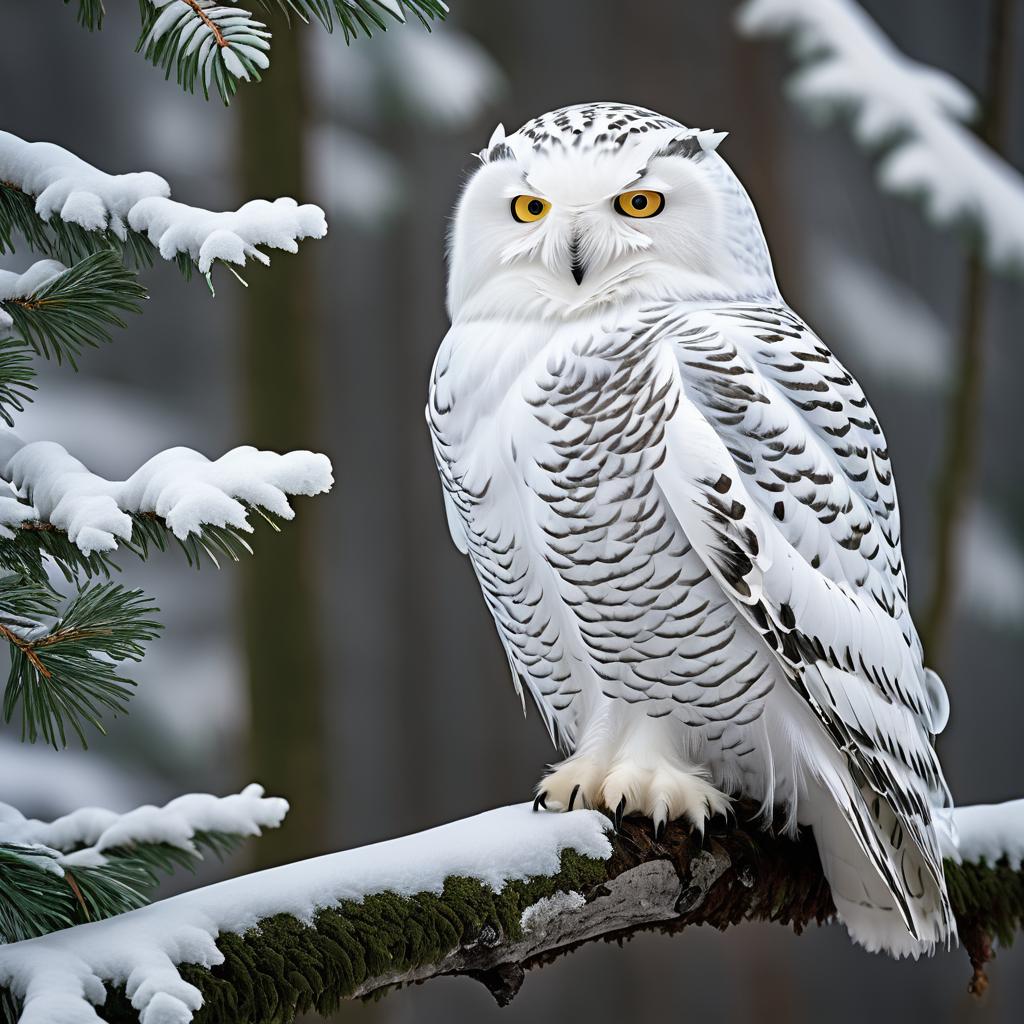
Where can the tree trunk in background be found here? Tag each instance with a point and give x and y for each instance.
(278, 328)
(958, 469)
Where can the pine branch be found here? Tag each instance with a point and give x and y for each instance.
(75, 309)
(32, 900)
(64, 672)
(49, 881)
(32, 545)
(16, 376)
(63, 240)
(189, 493)
(213, 45)
(361, 16)
(90, 13)
(459, 901)
(66, 208)
(33, 541)
(150, 532)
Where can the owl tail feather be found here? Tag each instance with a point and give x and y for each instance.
(883, 883)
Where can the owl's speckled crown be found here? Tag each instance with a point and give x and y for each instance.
(598, 126)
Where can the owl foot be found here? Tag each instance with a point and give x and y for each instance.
(572, 785)
(662, 793)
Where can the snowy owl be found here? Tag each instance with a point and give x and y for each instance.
(681, 512)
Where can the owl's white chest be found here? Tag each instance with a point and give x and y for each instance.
(548, 440)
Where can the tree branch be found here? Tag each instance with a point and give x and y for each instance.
(435, 904)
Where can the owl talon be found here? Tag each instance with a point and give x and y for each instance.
(573, 795)
(540, 802)
(619, 811)
(659, 829)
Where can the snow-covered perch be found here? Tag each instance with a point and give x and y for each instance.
(65, 188)
(914, 115)
(181, 487)
(489, 896)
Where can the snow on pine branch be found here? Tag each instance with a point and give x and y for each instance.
(206, 43)
(991, 833)
(21, 286)
(95, 864)
(60, 976)
(65, 188)
(87, 836)
(231, 237)
(182, 487)
(216, 44)
(912, 114)
(364, 16)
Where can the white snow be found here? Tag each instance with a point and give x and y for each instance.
(911, 112)
(72, 189)
(61, 975)
(232, 236)
(83, 836)
(180, 485)
(78, 193)
(990, 832)
(21, 286)
(12, 514)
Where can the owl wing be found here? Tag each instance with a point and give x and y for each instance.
(778, 472)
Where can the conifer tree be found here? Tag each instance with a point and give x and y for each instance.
(71, 628)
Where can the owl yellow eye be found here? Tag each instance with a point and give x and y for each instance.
(641, 203)
(527, 209)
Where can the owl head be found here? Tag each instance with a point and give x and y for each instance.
(601, 204)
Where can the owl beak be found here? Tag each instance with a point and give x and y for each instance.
(576, 264)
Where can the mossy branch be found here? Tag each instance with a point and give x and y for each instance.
(362, 949)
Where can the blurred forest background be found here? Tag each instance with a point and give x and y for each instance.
(351, 666)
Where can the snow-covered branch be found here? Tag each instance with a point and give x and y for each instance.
(912, 114)
(489, 897)
(95, 863)
(20, 287)
(66, 192)
(186, 490)
(86, 836)
(209, 43)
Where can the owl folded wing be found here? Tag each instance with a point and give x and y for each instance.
(777, 471)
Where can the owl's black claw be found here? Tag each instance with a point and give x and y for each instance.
(619, 811)
(540, 801)
(659, 829)
(573, 795)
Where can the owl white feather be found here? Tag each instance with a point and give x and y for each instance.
(681, 512)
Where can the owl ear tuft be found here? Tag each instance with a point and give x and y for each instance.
(497, 137)
(710, 140)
